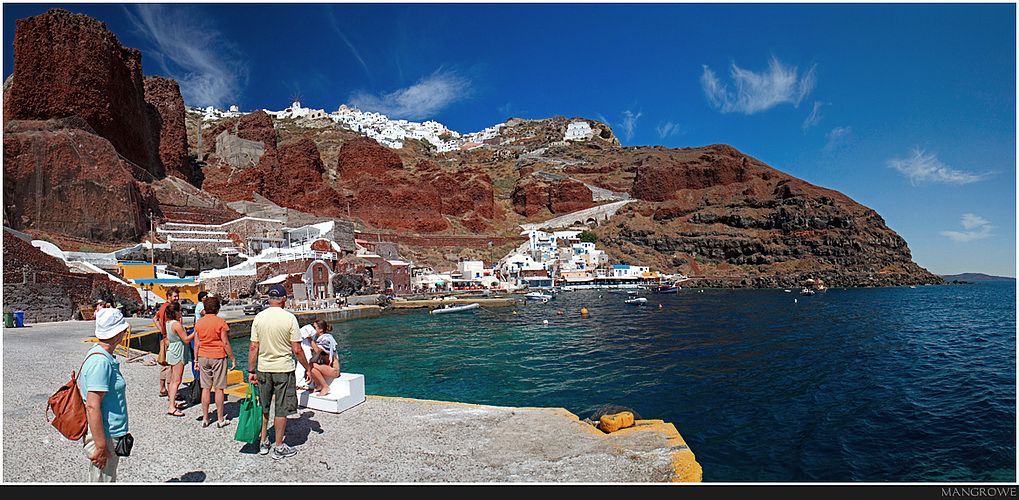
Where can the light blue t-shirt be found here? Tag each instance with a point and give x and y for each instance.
(102, 374)
(198, 311)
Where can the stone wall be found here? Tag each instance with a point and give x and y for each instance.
(202, 246)
(238, 152)
(41, 302)
(441, 240)
(364, 300)
(223, 286)
(255, 228)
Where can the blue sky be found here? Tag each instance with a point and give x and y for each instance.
(908, 109)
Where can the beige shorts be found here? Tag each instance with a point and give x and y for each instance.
(213, 372)
(95, 474)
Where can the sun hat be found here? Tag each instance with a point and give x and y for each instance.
(109, 323)
(277, 291)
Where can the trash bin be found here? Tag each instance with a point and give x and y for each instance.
(19, 318)
(8, 320)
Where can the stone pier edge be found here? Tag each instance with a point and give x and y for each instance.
(685, 467)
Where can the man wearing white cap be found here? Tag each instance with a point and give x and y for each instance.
(103, 390)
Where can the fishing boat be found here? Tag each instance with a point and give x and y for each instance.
(538, 296)
(666, 289)
(636, 301)
(807, 292)
(453, 309)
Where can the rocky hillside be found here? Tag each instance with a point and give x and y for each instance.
(91, 147)
(710, 212)
(47, 290)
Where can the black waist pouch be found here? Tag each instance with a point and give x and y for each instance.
(123, 445)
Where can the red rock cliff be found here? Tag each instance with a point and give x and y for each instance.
(69, 64)
(61, 177)
(164, 94)
(255, 126)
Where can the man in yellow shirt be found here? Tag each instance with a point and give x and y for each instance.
(275, 342)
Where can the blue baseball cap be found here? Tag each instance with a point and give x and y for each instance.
(277, 291)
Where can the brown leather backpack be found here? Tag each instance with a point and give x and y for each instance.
(68, 408)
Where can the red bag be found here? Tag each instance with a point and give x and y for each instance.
(68, 408)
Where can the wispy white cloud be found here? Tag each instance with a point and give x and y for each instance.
(754, 92)
(814, 117)
(837, 137)
(189, 49)
(423, 99)
(629, 123)
(667, 129)
(921, 167)
(976, 228)
(353, 50)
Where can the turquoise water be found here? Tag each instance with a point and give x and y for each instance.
(892, 384)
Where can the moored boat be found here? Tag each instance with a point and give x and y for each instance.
(453, 309)
(637, 301)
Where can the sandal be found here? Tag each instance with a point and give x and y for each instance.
(175, 413)
(163, 394)
(222, 423)
(182, 405)
(206, 423)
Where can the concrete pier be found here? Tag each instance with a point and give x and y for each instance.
(432, 304)
(382, 440)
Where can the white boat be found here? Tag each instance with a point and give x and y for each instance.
(453, 309)
(787, 290)
(637, 301)
(538, 296)
(807, 291)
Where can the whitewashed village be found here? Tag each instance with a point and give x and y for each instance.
(331, 263)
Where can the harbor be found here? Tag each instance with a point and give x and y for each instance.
(438, 243)
(384, 439)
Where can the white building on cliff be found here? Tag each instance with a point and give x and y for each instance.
(578, 131)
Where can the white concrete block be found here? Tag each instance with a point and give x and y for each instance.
(345, 392)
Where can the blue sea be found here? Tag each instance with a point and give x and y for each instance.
(890, 384)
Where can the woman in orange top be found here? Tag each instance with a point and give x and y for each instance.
(212, 348)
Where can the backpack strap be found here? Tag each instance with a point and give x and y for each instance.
(83, 365)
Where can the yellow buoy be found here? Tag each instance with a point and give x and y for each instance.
(583, 311)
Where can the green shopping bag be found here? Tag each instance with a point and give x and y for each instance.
(249, 422)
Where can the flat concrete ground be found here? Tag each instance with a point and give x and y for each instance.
(381, 440)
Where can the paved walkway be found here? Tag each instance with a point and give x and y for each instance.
(382, 440)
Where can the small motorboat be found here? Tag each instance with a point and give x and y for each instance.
(538, 296)
(453, 309)
(667, 289)
(636, 301)
(808, 292)
(787, 290)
